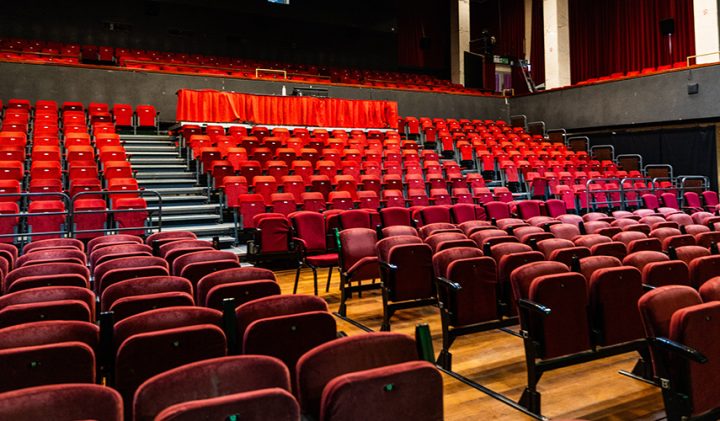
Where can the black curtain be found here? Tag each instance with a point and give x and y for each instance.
(690, 151)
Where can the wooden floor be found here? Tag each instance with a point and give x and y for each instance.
(495, 359)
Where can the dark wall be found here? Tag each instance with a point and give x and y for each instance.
(322, 32)
(120, 86)
(690, 151)
(651, 99)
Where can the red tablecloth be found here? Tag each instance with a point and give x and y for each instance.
(229, 107)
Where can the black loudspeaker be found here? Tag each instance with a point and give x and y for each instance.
(667, 26)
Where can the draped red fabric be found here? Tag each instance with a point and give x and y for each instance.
(229, 107)
(613, 36)
(537, 44)
(504, 19)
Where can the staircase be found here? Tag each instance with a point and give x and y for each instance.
(187, 205)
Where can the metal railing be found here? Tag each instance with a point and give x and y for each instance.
(110, 212)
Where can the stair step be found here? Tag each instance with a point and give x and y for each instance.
(211, 218)
(146, 137)
(157, 167)
(145, 181)
(157, 161)
(142, 175)
(226, 228)
(132, 149)
(161, 143)
(170, 154)
(210, 208)
(181, 190)
(168, 200)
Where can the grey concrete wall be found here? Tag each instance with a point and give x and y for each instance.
(661, 98)
(61, 83)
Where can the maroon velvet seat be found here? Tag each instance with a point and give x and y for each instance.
(284, 326)
(125, 268)
(118, 251)
(49, 332)
(274, 403)
(356, 218)
(434, 214)
(614, 293)
(358, 261)
(155, 341)
(242, 284)
(565, 231)
(674, 316)
(52, 243)
(310, 241)
(416, 393)
(528, 234)
(497, 210)
(159, 238)
(688, 253)
(103, 241)
(407, 275)
(641, 258)
(63, 401)
(470, 227)
(430, 229)
(143, 286)
(444, 240)
(272, 237)
(468, 293)
(390, 216)
(673, 272)
(318, 367)
(51, 256)
(560, 250)
(37, 365)
(209, 379)
(78, 273)
(466, 212)
(48, 303)
(193, 266)
(491, 237)
(395, 230)
(704, 268)
(710, 290)
(173, 250)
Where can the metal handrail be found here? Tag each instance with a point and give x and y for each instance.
(109, 211)
(681, 185)
(22, 236)
(588, 193)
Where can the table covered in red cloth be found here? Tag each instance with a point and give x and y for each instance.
(230, 107)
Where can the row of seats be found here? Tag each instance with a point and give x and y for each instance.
(18, 113)
(576, 291)
(73, 54)
(154, 328)
(38, 159)
(635, 73)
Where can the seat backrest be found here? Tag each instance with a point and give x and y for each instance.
(410, 390)
(566, 329)
(690, 326)
(350, 354)
(310, 227)
(614, 293)
(355, 245)
(208, 379)
(413, 278)
(657, 307)
(77, 401)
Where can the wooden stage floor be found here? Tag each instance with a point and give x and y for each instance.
(495, 359)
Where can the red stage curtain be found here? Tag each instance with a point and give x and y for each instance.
(229, 107)
(613, 36)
